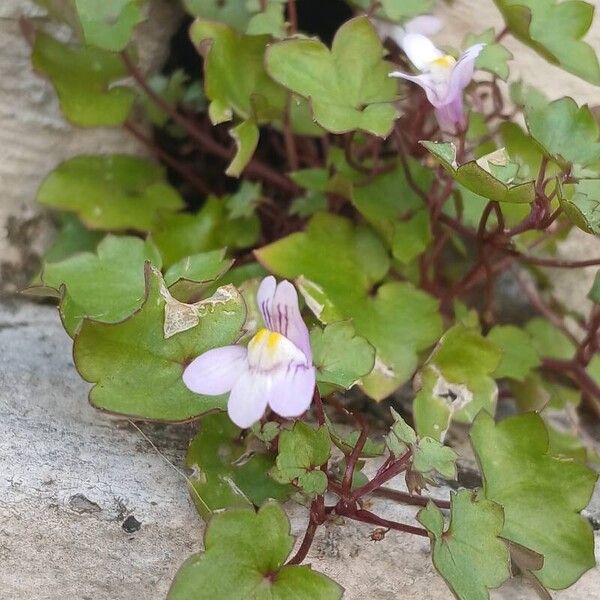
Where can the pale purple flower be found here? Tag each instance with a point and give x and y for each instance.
(443, 78)
(427, 25)
(275, 369)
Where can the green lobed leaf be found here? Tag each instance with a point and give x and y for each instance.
(519, 355)
(456, 381)
(71, 238)
(469, 554)
(245, 136)
(555, 30)
(483, 176)
(244, 556)
(184, 234)
(428, 454)
(536, 489)
(411, 237)
(302, 451)
(581, 203)
(191, 275)
(388, 197)
(233, 71)
(236, 83)
(494, 57)
(339, 264)
(83, 78)
(548, 340)
(136, 365)
(113, 192)
(225, 475)
(340, 356)
(108, 24)
(565, 131)
(309, 204)
(105, 286)
(348, 87)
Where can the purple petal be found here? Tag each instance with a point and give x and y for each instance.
(420, 50)
(216, 371)
(451, 116)
(463, 70)
(425, 81)
(292, 392)
(264, 298)
(281, 313)
(248, 398)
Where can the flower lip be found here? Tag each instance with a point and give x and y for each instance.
(270, 350)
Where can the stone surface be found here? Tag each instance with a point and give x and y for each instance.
(34, 137)
(71, 478)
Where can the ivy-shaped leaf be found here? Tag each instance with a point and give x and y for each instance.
(337, 265)
(244, 556)
(108, 24)
(456, 381)
(387, 198)
(548, 341)
(581, 203)
(469, 554)
(301, 452)
(71, 238)
(411, 237)
(191, 275)
(487, 176)
(184, 234)
(83, 78)
(245, 136)
(106, 286)
(494, 57)
(348, 87)
(340, 356)
(113, 192)
(136, 365)
(566, 131)
(519, 355)
(234, 73)
(428, 454)
(225, 474)
(555, 30)
(536, 489)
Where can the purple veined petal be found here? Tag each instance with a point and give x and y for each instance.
(420, 50)
(249, 397)
(425, 81)
(289, 320)
(424, 24)
(264, 298)
(292, 391)
(463, 70)
(215, 372)
(281, 313)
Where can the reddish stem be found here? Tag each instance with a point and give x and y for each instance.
(255, 167)
(407, 498)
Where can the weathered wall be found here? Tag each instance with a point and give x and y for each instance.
(34, 137)
(55, 450)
